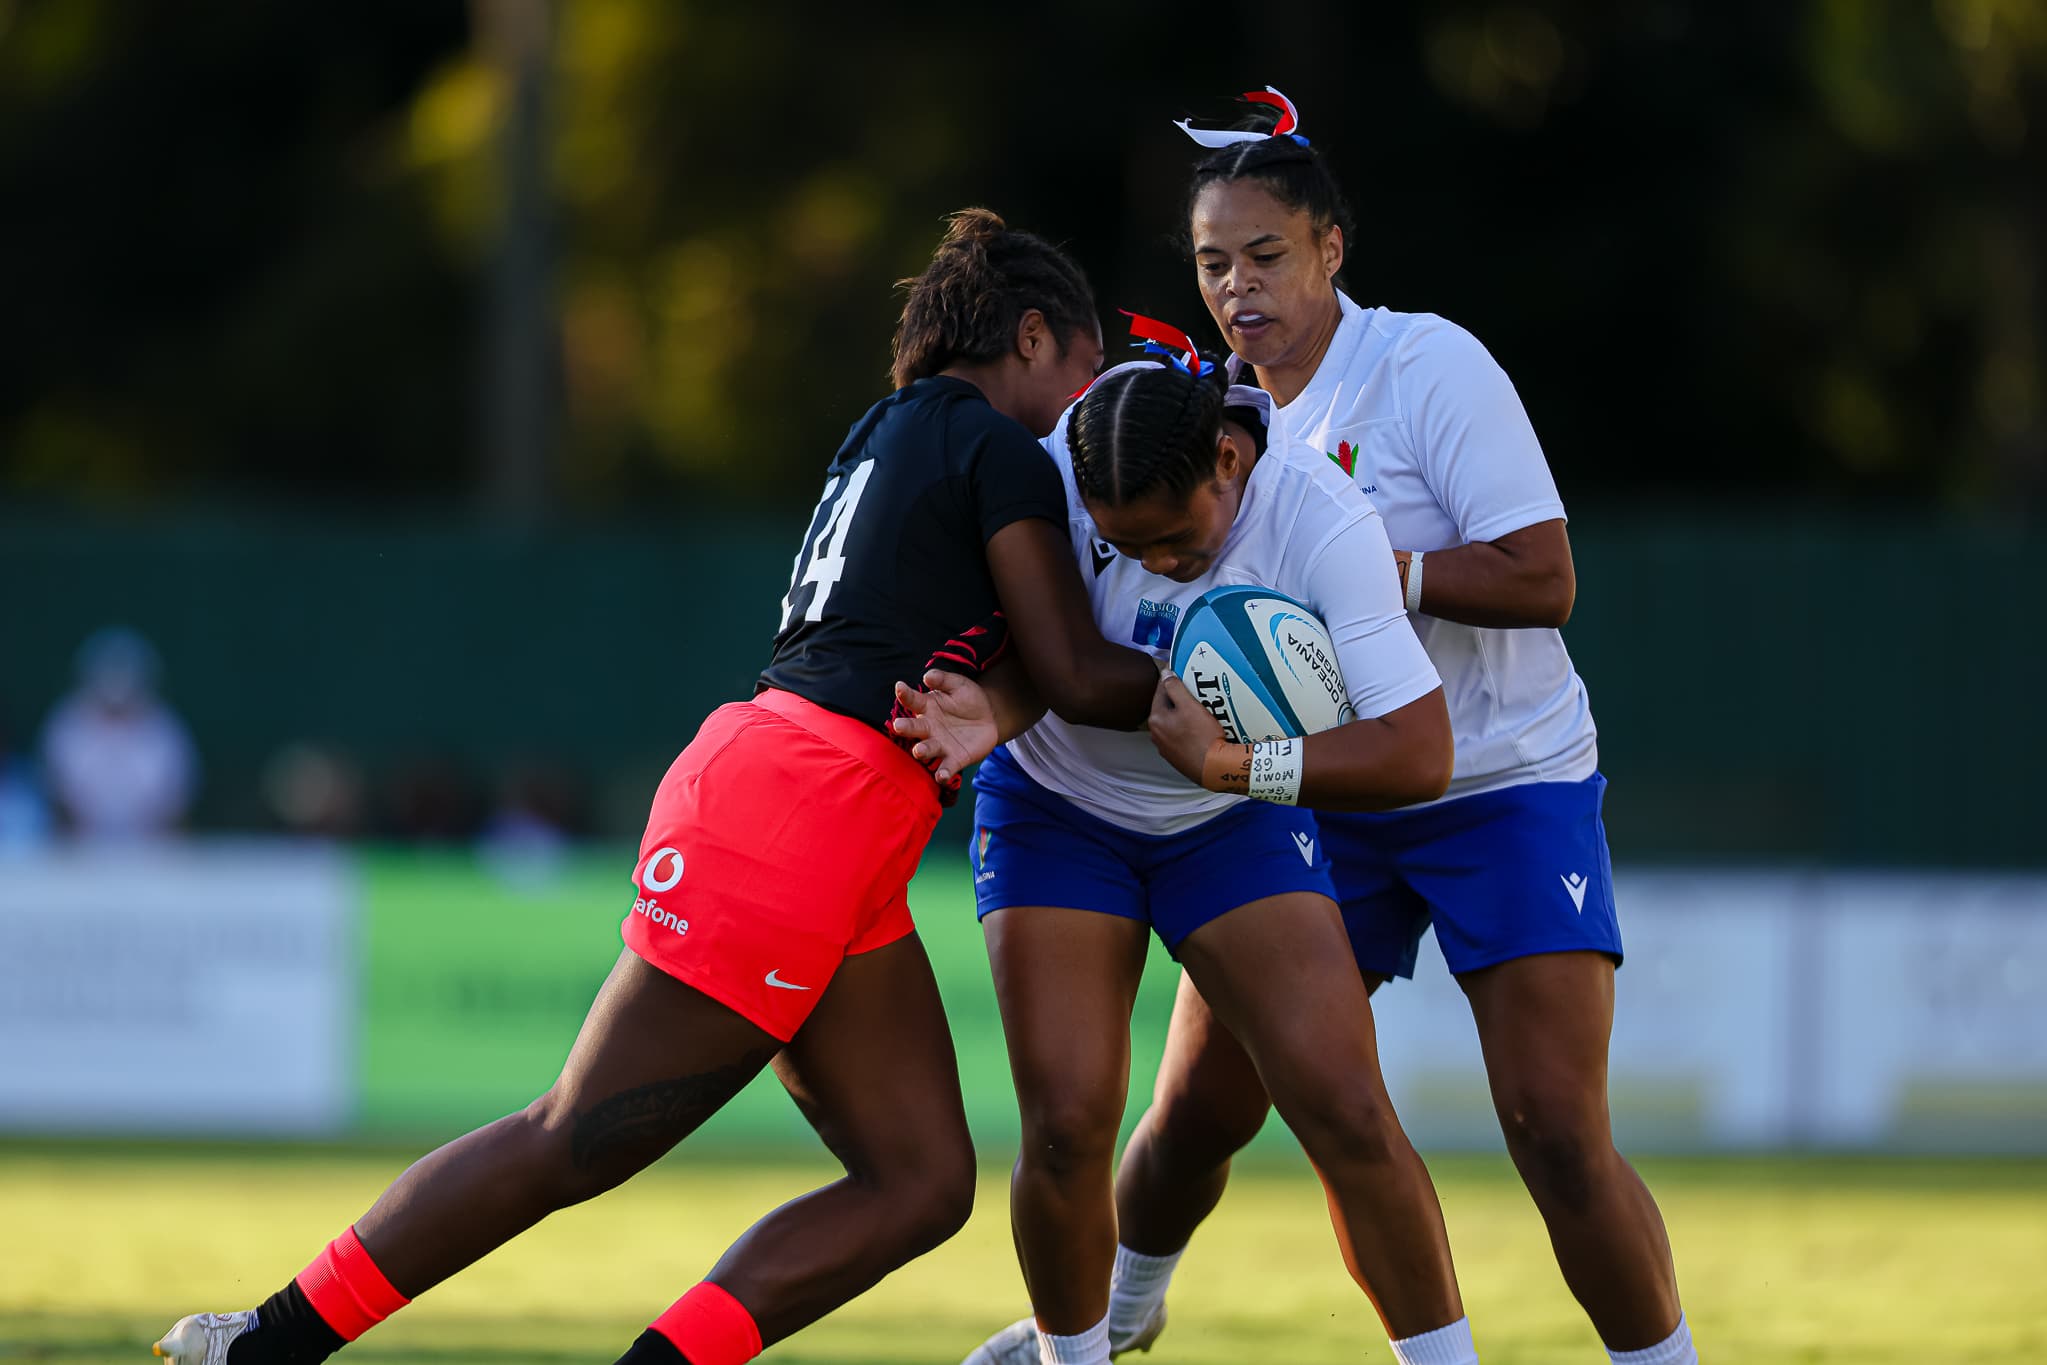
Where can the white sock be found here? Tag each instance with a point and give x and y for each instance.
(1675, 1349)
(1445, 1346)
(1084, 1348)
(1137, 1289)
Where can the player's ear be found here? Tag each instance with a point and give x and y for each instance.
(1033, 336)
(1332, 251)
(1229, 461)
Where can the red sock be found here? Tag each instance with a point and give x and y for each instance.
(347, 1290)
(710, 1327)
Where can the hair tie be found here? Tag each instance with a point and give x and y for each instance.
(1167, 341)
(1289, 121)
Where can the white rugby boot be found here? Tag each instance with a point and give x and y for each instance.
(1144, 1336)
(1017, 1344)
(203, 1338)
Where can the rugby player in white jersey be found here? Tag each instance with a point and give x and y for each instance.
(1086, 837)
(1511, 865)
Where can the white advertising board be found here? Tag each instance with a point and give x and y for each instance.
(1783, 1009)
(177, 989)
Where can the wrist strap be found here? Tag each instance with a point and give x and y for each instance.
(1276, 770)
(1414, 581)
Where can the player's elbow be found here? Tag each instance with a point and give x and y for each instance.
(1428, 753)
(1542, 584)
(1552, 597)
(1429, 767)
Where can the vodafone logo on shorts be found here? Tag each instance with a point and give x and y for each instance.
(651, 879)
(667, 919)
(662, 870)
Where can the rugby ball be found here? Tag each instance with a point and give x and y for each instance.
(1261, 663)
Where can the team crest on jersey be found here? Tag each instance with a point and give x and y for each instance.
(1156, 623)
(1346, 457)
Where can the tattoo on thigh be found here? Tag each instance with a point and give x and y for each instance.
(665, 1112)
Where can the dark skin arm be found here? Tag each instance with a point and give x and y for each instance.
(1393, 760)
(1522, 579)
(958, 721)
(1083, 678)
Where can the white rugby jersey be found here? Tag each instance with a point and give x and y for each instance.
(1429, 425)
(1301, 528)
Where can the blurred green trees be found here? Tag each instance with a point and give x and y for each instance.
(1791, 245)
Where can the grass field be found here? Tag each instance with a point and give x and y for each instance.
(1876, 1263)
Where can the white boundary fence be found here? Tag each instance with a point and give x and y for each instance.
(1781, 1009)
(177, 989)
(215, 989)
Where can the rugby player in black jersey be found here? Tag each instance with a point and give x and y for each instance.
(769, 923)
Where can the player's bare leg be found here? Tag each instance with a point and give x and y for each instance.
(1206, 1106)
(1544, 1023)
(1317, 1053)
(654, 1059)
(873, 1070)
(1066, 981)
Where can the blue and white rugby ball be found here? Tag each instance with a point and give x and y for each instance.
(1262, 663)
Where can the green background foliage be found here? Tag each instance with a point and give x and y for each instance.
(253, 246)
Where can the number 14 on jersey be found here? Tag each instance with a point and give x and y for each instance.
(824, 551)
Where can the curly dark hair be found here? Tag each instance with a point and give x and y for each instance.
(983, 278)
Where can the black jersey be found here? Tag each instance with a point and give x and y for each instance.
(895, 562)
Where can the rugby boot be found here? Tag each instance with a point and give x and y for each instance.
(203, 1338)
(1146, 1333)
(1017, 1344)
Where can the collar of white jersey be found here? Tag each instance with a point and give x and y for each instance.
(1348, 310)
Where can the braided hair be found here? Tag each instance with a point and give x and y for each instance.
(1146, 431)
(983, 278)
(1294, 174)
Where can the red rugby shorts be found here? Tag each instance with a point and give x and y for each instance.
(781, 842)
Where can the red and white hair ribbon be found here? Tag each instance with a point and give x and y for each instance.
(1166, 340)
(1288, 126)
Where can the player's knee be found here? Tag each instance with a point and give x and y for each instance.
(929, 1200)
(1559, 1145)
(1347, 1124)
(1195, 1131)
(947, 1204)
(1068, 1134)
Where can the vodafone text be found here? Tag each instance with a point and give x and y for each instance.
(667, 919)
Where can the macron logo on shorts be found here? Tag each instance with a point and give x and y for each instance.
(1306, 844)
(1575, 884)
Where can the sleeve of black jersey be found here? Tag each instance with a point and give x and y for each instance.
(1013, 478)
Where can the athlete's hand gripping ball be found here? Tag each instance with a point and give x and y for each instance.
(952, 723)
(1183, 730)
